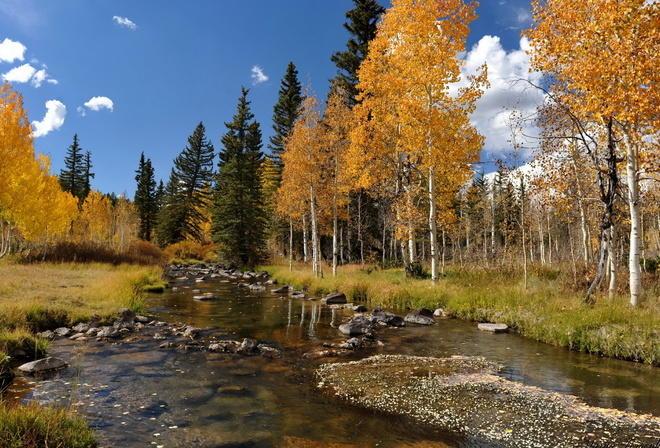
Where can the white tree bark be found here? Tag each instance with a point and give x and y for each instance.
(632, 175)
(611, 257)
(290, 244)
(433, 231)
(315, 245)
(304, 232)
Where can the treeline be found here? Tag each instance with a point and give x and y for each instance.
(383, 171)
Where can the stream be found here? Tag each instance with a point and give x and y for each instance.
(137, 395)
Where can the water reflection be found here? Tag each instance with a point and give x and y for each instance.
(207, 399)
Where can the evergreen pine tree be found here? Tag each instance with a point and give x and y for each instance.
(145, 197)
(285, 113)
(238, 214)
(160, 196)
(188, 191)
(361, 23)
(72, 176)
(89, 175)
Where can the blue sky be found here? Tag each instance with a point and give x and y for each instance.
(175, 63)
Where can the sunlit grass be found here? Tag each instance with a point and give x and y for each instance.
(547, 310)
(32, 426)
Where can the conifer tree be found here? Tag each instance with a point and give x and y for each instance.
(89, 175)
(145, 197)
(285, 113)
(188, 191)
(72, 176)
(238, 214)
(361, 24)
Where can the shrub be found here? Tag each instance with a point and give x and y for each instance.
(190, 250)
(139, 252)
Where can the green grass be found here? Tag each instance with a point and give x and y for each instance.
(31, 426)
(548, 311)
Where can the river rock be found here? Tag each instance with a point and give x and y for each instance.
(356, 326)
(191, 332)
(298, 295)
(81, 328)
(281, 289)
(107, 332)
(268, 352)
(224, 346)
(43, 365)
(142, 319)
(205, 297)
(493, 328)
(92, 331)
(257, 287)
(46, 334)
(387, 318)
(420, 316)
(335, 298)
(248, 346)
(440, 312)
(62, 332)
(360, 309)
(77, 336)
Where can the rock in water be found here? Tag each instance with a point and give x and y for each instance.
(387, 318)
(248, 346)
(62, 331)
(281, 289)
(493, 328)
(205, 297)
(360, 309)
(421, 316)
(335, 298)
(43, 365)
(440, 312)
(356, 326)
(81, 328)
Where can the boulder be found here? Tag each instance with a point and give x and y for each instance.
(387, 318)
(248, 346)
(356, 326)
(493, 328)
(360, 309)
(281, 289)
(43, 365)
(439, 312)
(62, 332)
(297, 295)
(77, 336)
(81, 328)
(268, 352)
(420, 316)
(224, 346)
(142, 319)
(335, 298)
(92, 331)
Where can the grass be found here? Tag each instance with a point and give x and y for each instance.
(548, 311)
(32, 426)
(44, 296)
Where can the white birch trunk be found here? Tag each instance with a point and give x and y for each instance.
(632, 175)
(433, 231)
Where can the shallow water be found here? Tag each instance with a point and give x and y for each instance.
(139, 395)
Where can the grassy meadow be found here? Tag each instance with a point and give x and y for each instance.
(549, 310)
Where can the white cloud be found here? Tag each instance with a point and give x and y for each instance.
(52, 81)
(124, 22)
(258, 76)
(97, 103)
(508, 91)
(53, 119)
(11, 51)
(22, 73)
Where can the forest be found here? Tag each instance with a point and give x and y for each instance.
(382, 190)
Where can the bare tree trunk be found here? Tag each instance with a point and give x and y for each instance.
(522, 225)
(304, 232)
(433, 232)
(612, 264)
(444, 251)
(315, 246)
(349, 233)
(341, 244)
(359, 229)
(632, 174)
(384, 239)
(541, 242)
(492, 221)
(290, 244)
(547, 217)
(570, 240)
(335, 249)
